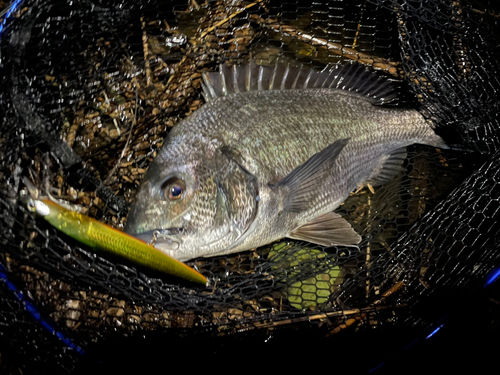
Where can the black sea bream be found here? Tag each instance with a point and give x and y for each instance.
(273, 152)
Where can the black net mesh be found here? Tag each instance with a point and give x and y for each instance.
(90, 89)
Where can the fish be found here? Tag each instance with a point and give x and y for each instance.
(107, 240)
(272, 154)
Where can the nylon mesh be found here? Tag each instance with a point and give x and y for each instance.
(89, 91)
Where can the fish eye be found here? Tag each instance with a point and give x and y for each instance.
(173, 188)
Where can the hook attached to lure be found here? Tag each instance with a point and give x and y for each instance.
(100, 236)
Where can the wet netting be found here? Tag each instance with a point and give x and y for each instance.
(89, 90)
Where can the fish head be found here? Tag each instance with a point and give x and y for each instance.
(193, 203)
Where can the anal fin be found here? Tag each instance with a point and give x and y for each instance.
(327, 230)
(388, 168)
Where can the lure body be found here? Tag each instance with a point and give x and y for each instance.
(97, 235)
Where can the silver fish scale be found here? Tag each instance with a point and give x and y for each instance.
(276, 131)
(203, 212)
(240, 191)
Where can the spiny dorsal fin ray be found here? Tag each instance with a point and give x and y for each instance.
(327, 230)
(305, 181)
(252, 77)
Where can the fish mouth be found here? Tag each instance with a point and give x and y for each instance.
(162, 239)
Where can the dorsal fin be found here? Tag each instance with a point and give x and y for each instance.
(251, 77)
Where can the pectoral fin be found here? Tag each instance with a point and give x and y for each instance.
(304, 183)
(327, 230)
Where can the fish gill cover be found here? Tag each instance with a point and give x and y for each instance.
(89, 91)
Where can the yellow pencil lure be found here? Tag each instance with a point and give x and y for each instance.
(97, 235)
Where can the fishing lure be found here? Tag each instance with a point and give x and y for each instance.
(97, 235)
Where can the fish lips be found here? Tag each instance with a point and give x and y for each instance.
(163, 239)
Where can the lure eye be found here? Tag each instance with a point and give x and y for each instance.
(173, 188)
(31, 205)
